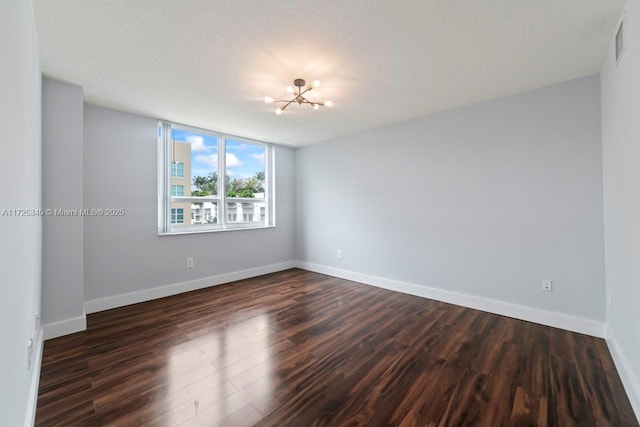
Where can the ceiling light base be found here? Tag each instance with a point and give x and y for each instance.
(299, 82)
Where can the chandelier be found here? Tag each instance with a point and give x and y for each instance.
(298, 96)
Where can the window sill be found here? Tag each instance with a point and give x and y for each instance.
(216, 230)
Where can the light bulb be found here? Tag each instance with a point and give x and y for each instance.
(290, 89)
(315, 106)
(328, 103)
(268, 99)
(279, 111)
(316, 83)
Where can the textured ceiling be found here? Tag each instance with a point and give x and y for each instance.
(210, 63)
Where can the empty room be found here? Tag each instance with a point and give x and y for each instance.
(297, 213)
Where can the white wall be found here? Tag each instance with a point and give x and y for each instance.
(20, 241)
(124, 255)
(621, 159)
(62, 180)
(483, 201)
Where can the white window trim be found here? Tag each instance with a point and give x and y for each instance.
(165, 227)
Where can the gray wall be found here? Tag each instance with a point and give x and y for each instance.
(20, 237)
(125, 254)
(487, 200)
(62, 182)
(621, 158)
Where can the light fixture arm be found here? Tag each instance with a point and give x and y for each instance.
(299, 97)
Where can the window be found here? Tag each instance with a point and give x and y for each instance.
(177, 216)
(209, 202)
(177, 169)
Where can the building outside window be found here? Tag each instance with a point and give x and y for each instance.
(190, 181)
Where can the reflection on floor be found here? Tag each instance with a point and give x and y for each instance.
(299, 348)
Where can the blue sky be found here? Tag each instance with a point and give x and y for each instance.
(243, 159)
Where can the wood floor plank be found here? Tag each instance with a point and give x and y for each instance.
(297, 348)
(529, 410)
(245, 417)
(570, 404)
(468, 401)
(535, 375)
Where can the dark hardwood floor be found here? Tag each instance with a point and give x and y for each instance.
(301, 349)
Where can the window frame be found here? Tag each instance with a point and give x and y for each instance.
(165, 198)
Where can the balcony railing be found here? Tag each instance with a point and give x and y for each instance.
(241, 210)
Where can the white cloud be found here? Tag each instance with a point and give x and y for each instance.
(259, 157)
(207, 159)
(197, 144)
(233, 161)
(212, 160)
(236, 146)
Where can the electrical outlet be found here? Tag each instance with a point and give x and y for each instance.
(189, 262)
(547, 285)
(340, 253)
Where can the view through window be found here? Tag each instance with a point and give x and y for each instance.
(195, 196)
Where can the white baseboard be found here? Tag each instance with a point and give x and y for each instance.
(30, 415)
(65, 327)
(630, 382)
(121, 300)
(536, 315)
